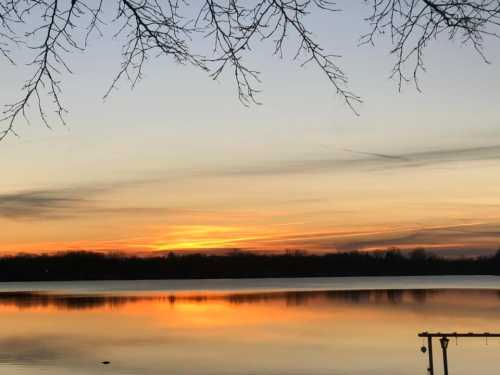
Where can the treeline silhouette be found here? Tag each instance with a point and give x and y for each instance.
(237, 264)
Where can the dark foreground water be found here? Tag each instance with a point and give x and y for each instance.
(251, 327)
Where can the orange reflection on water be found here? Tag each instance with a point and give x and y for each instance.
(348, 332)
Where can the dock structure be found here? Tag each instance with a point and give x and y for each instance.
(444, 340)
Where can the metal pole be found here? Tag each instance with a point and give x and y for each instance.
(431, 362)
(444, 345)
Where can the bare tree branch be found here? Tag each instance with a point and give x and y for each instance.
(414, 24)
(52, 29)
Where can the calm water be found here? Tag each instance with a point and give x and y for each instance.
(251, 327)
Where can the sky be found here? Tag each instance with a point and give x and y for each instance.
(178, 163)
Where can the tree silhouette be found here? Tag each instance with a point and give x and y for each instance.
(114, 266)
(51, 29)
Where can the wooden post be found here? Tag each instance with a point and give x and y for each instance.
(431, 362)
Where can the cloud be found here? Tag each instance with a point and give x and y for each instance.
(377, 155)
(370, 161)
(38, 204)
(66, 203)
(84, 200)
(456, 238)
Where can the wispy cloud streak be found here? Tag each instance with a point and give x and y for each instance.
(38, 204)
(372, 161)
(59, 204)
(378, 155)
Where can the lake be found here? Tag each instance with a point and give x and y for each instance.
(310, 326)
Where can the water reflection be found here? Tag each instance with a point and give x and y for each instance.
(29, 300)
(368, 332)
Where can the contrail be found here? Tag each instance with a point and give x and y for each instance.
(384, 156)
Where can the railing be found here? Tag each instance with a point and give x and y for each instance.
(444, 340)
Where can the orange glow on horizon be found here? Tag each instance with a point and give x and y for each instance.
(272, 238)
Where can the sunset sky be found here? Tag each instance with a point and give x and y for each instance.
(179, 163)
